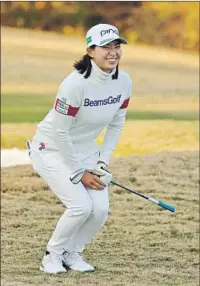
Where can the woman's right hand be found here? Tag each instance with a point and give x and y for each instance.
(91, 181)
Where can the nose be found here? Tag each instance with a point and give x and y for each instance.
(112, 51)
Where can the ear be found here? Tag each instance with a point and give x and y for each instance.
(90, 52)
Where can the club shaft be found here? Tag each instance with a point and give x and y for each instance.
(159, 203)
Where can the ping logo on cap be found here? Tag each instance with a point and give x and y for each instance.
(108, 31)
(103, 32)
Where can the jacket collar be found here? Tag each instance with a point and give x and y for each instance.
(99, 75)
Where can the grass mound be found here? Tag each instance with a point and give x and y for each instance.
(141, 244)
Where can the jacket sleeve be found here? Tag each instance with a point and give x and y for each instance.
(114, 130)
(67, 104)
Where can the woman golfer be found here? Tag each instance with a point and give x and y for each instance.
(64, 152)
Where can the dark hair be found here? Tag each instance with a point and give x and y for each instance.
(84, 65)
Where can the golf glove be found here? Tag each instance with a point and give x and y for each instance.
(102, 172)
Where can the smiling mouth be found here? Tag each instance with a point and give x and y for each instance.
(112, 60)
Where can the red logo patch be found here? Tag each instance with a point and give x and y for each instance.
(42, 146)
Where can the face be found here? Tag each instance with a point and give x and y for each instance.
(106, 57)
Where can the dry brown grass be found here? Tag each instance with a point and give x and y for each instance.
(140, 245)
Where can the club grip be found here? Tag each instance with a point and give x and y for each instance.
(166, 206)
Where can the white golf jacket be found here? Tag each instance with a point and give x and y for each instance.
(82, 109)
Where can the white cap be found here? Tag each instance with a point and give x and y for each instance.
(102, 34)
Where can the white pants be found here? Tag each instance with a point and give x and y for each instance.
(87, 209)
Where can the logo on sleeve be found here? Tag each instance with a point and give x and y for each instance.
(101, 102)
(65, 109)
(64, 99)
(61, 107)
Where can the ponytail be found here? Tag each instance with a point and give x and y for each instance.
(84, 65)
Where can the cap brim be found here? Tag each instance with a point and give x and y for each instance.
(120, 39)
(123, 41)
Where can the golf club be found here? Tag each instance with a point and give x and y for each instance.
(159, 203)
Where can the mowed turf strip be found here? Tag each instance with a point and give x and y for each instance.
(140, 245)
(32, 108)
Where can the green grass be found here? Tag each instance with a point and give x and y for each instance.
(25, 108)
(140, 245)
(155, 115)
(32, 108)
